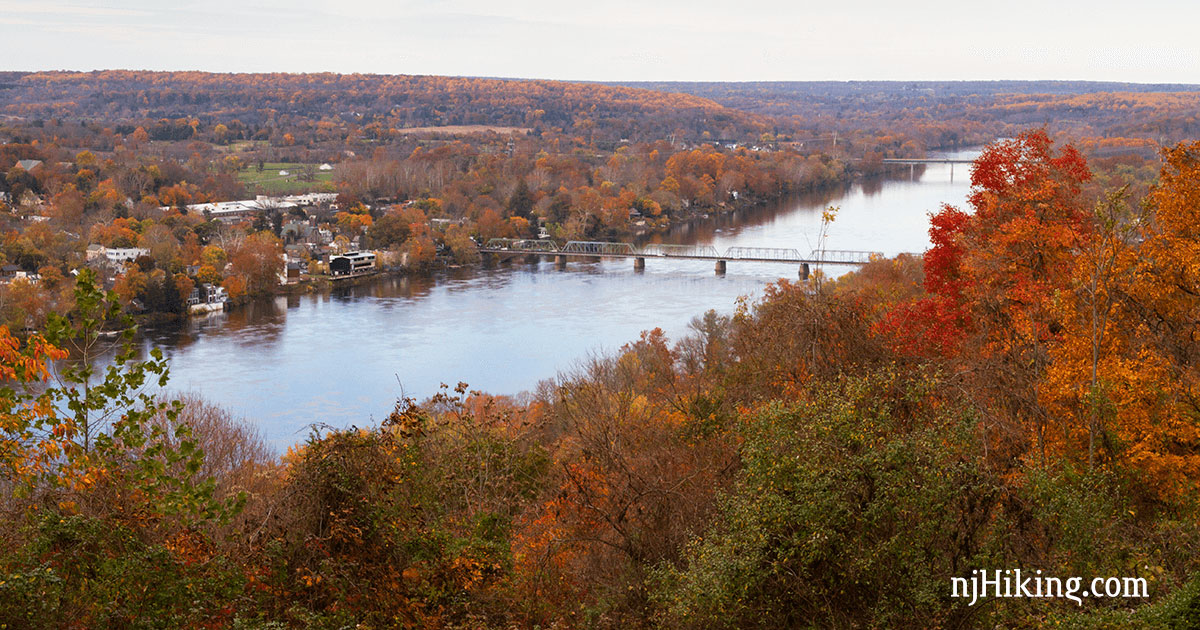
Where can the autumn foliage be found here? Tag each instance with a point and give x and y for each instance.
(829, 455)
(1066, 321)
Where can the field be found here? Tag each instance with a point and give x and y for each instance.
(269, 181)
(241, 146)
(463, 130)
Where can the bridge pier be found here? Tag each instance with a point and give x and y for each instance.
(560, 262)
(720, 269)
(639, 264)
(804, 271)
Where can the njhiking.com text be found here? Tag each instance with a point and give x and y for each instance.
(1016, 583)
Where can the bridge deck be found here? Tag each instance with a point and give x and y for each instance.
(658, 257)
(926, 161)
(592, 249)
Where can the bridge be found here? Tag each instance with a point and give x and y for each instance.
(602, 249)
(914, 162)
(927, 161)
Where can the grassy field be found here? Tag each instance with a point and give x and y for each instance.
(268, 181)
(241, 146)
(462, 130)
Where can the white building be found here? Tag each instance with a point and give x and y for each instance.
(207, 298)
(115, 255)
(124, 254)
(232, 211)
(311, 199)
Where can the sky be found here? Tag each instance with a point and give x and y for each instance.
(1150, 41)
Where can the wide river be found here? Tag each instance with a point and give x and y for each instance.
(342, 358)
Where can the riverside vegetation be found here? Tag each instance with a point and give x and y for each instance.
(423, 165)
(829, 456)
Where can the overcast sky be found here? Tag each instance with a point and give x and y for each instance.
(1147, 41)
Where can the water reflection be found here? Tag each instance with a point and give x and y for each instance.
(343, 356)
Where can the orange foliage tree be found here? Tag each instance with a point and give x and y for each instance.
(32, 439)
(994, 277)
(257, 263)
(632, 476)
(1124, 375)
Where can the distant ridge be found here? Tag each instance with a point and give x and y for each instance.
(399, 101)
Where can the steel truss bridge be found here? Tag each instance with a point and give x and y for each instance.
(599, 249)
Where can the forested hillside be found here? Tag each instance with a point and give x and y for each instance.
(1118, 117)
(831, 455)
(388, 101)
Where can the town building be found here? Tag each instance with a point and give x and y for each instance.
(352, 264)
(234, 211)
(115, 255)
(312, 199)
(207, 298)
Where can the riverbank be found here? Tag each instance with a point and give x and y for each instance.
(341, 354)
(699, 225)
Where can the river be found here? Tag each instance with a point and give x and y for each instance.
(342, 358)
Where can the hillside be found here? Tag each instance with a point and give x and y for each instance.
(399, 101)
(952, 113)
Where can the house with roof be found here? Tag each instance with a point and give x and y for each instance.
(115, 255)
(207, 298)
(294, 231)
(295, 269)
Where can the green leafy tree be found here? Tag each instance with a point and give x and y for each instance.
(114, 501)
(840, 519)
